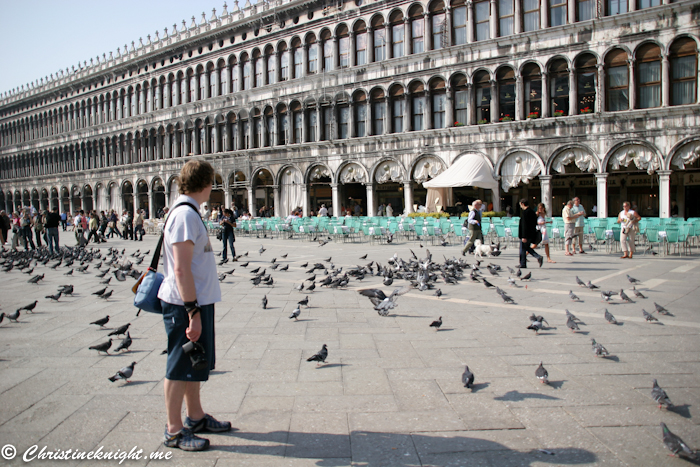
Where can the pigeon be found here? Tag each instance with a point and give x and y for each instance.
(542, 374)
(295, 314)
(35, 279)
(304, 302)
(222, 277)
(125, 373)
(285, 268)
(592, 286)
(606, 296)
(676, 445)
(526, 277)
(538, 318)
(321, 356)
(535, 326)
(100, 292)
(13, 316)
(284, 256)
(436, 324)
(571, 316)
(2, 317)
(119, 275)
(571, 324)
(29, 271)
(125, 343)
(609, 317)
(245, 265)
(66, 289)
(637, 293)
(106, 295)
(54, 297)
(69, 273)
(598, 349)
(382, 303)
(467, 378)
(311, 287)
(488, 284)
(648, 316)
(660, 395)
(660, 309)
(300, 287)
(507, 298)
(120, 330)
(633, 280)
(29, 307)
(623, 296)
(262, 250)
(580, 282)
(102, 321)
(573, 296)
(103, 347)
(363, 257)
(388, 281)
(264, 302)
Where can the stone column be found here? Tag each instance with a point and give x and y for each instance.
(370, 199)
(407, 37)
(251, 201)
(407, 197)
(369, 126)
(227, 197)
(407, 112)
(428, 112)
(387, 40)
(304, 199)
(370, 45)
(546, 192)
(602, 184)
(151, 204)
(276, 196)
(470, 105)
(304, 60)
(600, 98)
(664, 193)
(519, 98)
(143, 101)
(168, 97)
(449, 108)
(159, 98)
(573, 91)
(631, 82)
(159, 148)
(113, 110)
(631, 5)
(518, 24)
(571, 7)
(217, 139)
(496, 197)
(545, 96)
(665, 82)
(544, 17)
(493, 19)
(335, 199)
(352, 131)
(352, 53)
(493, 105)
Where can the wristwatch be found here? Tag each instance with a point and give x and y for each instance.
(192, 307)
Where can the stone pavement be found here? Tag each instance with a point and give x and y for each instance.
(390, 394)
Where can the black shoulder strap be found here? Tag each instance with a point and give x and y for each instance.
(156, 256)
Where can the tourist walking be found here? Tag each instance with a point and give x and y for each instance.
(39, 229)
(26, 224)
(569, 227)
(64, 220)
(138, 226)
(527, 231)
(52, 221)
(473, 224)
(542, 227)
(188, 293)
(16, 230)
(5, 226)
(629, 226)
(93, 225)
(228, 236)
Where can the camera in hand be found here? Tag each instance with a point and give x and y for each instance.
(196, 353)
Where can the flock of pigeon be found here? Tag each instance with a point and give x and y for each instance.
(421, 274)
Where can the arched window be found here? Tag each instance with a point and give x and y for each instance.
(232, 133)
(439, 101)
(532, 81)
(313, 54)
(327, 50)
(258, 68)
(557, 12)
(269, 127)
(439, 24)
(223, 78)
(284, 62)
(379, 39)
(397, 38)
(245, 128)
(506, 18)
(461, 99)
(343, 46)
(202, 84)
(283, 124)
(459, 22)
(506, 94)
(559, 88)
(271, 66)
(247, 73)
(360, 100)
(312, 123)
(397, 108)
(343, 119)
(684, 71)
(212, 81)
(360, 43)
(482, 90)
(378, 102)
(617, 77)
(297, 122)
(649, 76)
(298, 57)
(415, 15)
(586, 74)
(327, 113)
(482, 11)
(417, 92)
(615, 7)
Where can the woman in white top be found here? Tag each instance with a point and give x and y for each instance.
(542, 227)
(628, 218)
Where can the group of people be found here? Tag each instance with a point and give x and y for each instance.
(532, 229)
(28, 224)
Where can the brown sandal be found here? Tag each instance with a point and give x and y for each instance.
(624, 256)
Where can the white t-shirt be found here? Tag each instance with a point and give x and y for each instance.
(186, 224)
(624, 218)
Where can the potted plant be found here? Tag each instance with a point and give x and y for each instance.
(482, 121)
(459, 124)
(586, 110)
(558, 113)
(506, 118)
(533, 115)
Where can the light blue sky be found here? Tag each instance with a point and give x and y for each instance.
(39, 37)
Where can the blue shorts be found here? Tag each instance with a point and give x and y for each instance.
(179, 366)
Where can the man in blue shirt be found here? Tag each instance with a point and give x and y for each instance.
(577, 209)
(473, 223)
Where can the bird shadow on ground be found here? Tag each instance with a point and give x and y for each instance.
(658, 323)
(478, 387)
(545, 334)
(445, 329)
(585, 333)
(137, 383)
(682, 410)
(612, 358)
(395, 449)
(332, 365)
(219, 372)
(409, 316)
(556, 384)
(516, 396)
(299, 320)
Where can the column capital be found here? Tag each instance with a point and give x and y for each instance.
(664, 173)
(601, 176)
(545, 178)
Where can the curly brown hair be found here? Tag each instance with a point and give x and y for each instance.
(195, 176)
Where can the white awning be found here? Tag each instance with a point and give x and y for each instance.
(469, 170)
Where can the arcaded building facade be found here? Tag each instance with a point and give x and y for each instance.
(299, 103)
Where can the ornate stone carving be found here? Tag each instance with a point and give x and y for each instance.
(388, 171)
(519, 167)
(428, 168)
(583, 160)
(352, 173)
(686, 155)
(319, 172)
(643, 158)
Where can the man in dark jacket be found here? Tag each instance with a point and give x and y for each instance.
(527, 231)
(52, 221)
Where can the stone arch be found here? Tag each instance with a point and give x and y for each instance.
(359, 174)
(388, 169)
(643, 161)
(317, 170)
(426, 166)
(518, 165)
(582, 155)
(684, 152)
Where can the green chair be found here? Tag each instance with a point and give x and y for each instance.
(615, 240)
(673, 237)
(652, 238)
